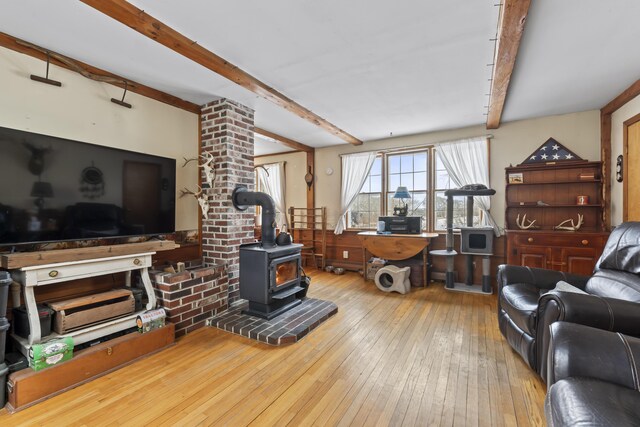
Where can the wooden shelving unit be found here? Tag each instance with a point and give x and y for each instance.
(557, 186)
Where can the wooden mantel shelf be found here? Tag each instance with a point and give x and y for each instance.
(28, 259)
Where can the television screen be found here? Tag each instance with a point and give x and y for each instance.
(56, 189)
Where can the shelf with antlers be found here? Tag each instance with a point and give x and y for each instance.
(549, 197)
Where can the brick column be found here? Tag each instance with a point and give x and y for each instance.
(227, 133)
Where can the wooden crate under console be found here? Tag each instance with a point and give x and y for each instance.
(80, 312)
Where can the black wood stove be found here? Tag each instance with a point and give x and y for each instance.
(269, 274)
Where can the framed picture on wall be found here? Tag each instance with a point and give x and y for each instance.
(515, 178)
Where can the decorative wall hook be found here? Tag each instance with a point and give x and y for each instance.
(121, 102)
(46, 79)
(308, 178)
(619, 168)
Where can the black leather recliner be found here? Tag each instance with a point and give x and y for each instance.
(527, 305)
(592, 377)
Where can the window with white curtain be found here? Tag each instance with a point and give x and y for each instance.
(365, 210)
(270, 179)
(426, 178)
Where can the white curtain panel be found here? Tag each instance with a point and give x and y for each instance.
(272, 182)
(467, 162)
(355, 169)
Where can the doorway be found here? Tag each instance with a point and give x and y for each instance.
(631, 172)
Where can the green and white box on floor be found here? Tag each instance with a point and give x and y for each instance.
(50, 353)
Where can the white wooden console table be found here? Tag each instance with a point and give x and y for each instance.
(124, 258)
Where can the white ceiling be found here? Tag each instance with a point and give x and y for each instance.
(372, 68)
(263, 145)
(575, 55)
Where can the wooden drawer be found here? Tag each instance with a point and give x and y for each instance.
(561, 240)
(45, 275)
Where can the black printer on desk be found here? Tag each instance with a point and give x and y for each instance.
(402, 224)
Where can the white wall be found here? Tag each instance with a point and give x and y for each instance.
(81, 110)
(621, 115)
(512, 142)
(295, 170)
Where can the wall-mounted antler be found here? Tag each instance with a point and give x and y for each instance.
(209, 171)
(202, 199)
(572, 227)
(523, 224)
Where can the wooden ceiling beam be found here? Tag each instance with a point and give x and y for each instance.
(284, 140)
(512, 20)
(147, 25)
(626, 96)
(86, 70)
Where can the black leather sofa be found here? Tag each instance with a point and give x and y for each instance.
(527, 305)
(592, 377)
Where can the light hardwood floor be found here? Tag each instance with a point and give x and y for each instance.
(428, 358)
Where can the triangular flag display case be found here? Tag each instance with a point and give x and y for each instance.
(554, 210)
(549, 153)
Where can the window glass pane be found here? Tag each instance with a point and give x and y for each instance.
(391, 203)
(418, 206)
(407, 163)
(442, 180)
(374, 206)
(365, 209)
(420, 181)
(440, 211)
(439, 164)
(420, 162)
(376, 169)
(393, 182)
(459, 212)
(406, 179)
(366, 188)
(376, 184)
(394, 164)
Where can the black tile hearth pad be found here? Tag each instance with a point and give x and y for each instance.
(287, 328)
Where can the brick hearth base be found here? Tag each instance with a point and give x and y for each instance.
(287, 328)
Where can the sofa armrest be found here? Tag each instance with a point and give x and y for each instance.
(539, 277)
(582, 351)
(590, 310)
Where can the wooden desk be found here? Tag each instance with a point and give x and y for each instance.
(395, 247)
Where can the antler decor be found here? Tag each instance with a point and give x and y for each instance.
(209, 171)
(203, 201)
(523, 224)
(572, 227)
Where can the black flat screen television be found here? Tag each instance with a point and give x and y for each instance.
(54, 189)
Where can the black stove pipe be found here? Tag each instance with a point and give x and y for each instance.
(243, 198)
